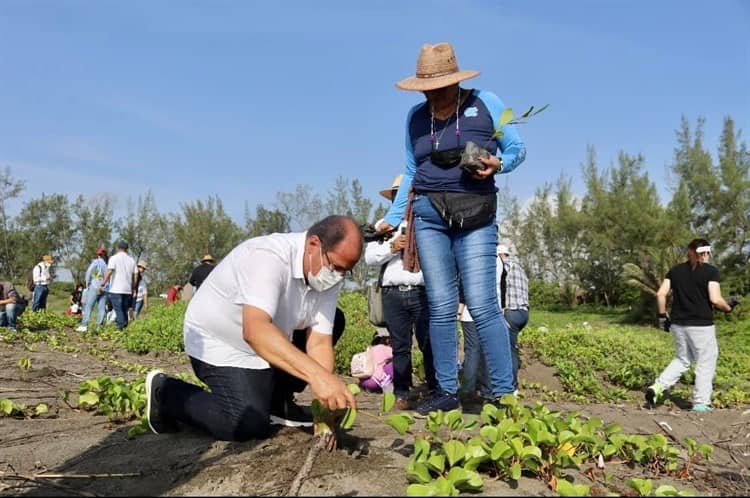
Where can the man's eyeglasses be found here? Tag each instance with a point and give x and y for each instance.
(336, 268)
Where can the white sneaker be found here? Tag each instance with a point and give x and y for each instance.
(81, 328)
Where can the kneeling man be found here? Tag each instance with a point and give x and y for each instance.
(239, 331)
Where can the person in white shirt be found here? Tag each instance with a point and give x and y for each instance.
(123, 273)
(404, 307)
(42, 278)
(238, 333)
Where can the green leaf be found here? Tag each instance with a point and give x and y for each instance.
(541, 109)
(347, 421)
(643, 486)
(515, 471)
(455, 451)
(665, 490)
(421, 449)
(527, 113)
(89, 398)
(489, 432)
(389, 399)
(500, 451)
(6, 406)
(319, 411)
(398, 421)
(531, 451)
(420, 490)
(443, 487)
(612, 429)
(354, 389)
(506, 117)
(564, 488)
(436, 462)
(41, 409)
(418, 472)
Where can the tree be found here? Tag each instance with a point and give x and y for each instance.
(9, 189)
(303, 207)
(200, 229)
(266, 221)
(93, 221)
(44, 226)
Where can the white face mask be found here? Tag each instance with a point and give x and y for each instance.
(325, 279)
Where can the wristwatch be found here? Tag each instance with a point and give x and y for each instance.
(501, 165)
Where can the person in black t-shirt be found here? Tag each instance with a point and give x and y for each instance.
(695, 288)
(201, 271)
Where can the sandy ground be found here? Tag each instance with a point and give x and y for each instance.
(370, 460)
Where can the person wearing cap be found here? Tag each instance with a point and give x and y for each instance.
(95, 292)
(262, 328)
(121, 275)
(42, 278)
(695, 290)
(201, 271)
(404, 306)
(455, 213)
(513, 291)
(141, 296)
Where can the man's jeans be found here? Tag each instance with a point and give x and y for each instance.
(92, 298)
(442, 251)
(240, 401)
(8, 317)
(474, 364)
(40, 298)
(517, 319)
(120, 305)
(406, 311)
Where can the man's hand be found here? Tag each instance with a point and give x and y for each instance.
(664, 322)
(398, 243)
(733, 301)
(332, 392)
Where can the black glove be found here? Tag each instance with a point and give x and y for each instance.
(664, 322)
(733, 301)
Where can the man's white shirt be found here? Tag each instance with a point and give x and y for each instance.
(264, 272)
(379, 254)
(123, 268)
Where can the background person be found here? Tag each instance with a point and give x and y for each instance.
(173, 294)
(9, 309)
(238, 335)
(404, 307)
(42, 276)
(695, 290)
(76, 307)
(141, 297)
(95, 291)
(122, 271)
(454, 213)
(201, 271)
(513, 292)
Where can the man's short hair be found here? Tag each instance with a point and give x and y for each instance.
(331, 230)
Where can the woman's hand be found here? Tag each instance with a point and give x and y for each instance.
(492, 164)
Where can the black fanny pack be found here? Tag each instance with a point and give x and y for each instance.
(445, 159)
(465, 210)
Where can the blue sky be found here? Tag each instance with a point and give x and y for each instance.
(242, 100)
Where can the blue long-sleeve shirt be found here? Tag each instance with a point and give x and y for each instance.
(95, 273)
(477, 116)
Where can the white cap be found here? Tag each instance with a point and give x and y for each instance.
(502, 249)
(703, 249)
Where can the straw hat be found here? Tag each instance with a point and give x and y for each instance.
(436, 68)
(390, 193)
(207, 257)
(142, 264)
(503, 249)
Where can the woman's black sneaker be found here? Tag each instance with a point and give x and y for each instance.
(290, 414)
(156, 421)
(440, 400)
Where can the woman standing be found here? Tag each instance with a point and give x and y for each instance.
(454, 213)
(696, 290)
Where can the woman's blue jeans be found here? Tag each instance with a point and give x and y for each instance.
(443, 252)
(93, 298)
